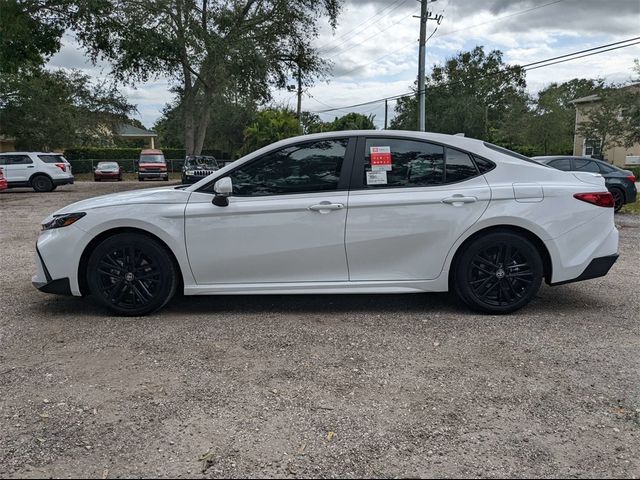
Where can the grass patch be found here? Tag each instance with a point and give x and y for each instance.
(633, 208)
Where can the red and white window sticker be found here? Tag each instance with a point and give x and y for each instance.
(381, 158)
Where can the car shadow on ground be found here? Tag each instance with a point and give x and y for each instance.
(549, 301)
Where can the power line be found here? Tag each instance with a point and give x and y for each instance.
(451, 32)
(390, 9)
(529, 66)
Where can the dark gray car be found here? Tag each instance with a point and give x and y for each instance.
(621, 183)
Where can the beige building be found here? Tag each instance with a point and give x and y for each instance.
(621, 156)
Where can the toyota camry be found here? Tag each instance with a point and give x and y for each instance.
(340, 212)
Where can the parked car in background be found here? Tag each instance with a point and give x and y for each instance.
(3, 181)
(372, 211)
(42, 171)
(152, 164)
(196, 167)
(621, 183)
(107, 171)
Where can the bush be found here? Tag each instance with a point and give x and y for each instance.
(635, 170)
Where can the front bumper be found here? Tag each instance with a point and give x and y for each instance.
(153, 175)
(43, 281)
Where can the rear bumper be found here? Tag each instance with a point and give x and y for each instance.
(598, 267)
(63, 181)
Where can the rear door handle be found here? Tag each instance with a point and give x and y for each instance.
(326, 206)
(457, 198)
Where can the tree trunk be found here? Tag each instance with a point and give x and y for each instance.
(203, 124)
(189, 128)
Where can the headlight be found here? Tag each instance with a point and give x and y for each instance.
(190, 172)
(63, 220)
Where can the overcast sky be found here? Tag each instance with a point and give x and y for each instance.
(374, 48)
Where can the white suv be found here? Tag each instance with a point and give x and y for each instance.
(39, 170)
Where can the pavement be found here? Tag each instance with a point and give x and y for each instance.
(384, 386)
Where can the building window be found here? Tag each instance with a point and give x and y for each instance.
(591, 148)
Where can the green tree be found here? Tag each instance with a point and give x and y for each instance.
(552, 126)
(212, 49)
(471, 93)
(271, 125)
(49, 110)
(30, 32)
(353, 121)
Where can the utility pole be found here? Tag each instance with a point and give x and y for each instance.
(421, 62)
(424, 16)
(386, 112)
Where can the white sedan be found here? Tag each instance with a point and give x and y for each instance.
(340, 212)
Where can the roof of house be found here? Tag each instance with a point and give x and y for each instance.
(595, 97)
(127, 130)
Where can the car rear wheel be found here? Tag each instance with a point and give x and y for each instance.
(498, 273)
(618, 198)
(42, 183)
(131, 274)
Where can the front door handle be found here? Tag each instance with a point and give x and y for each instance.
(326, 207)
(459, 199)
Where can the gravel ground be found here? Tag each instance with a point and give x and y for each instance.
(315, 386)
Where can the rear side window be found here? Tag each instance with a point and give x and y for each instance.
(581, 165)
(561, 164)
(604, 168)
(459, 166)
(402, 163)
(17, 160)
(484, 165)
(52, 158)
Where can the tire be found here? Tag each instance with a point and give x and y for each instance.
(131, 274)
(42, 183)
(498, 273)
(140, 179)
(166, 179)
(618, 197)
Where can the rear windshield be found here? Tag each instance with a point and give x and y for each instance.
(52, 158)
(151, 158)
(513, 154)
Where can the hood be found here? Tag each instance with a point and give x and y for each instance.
(167, 195)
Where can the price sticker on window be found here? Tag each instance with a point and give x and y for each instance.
(378, 177)
(380, 158)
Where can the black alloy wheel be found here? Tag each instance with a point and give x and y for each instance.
(131, 274)
(498, 273)
(618, 198)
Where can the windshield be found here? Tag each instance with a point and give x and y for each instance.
(107, 165)
(151, 158)
(208, 162)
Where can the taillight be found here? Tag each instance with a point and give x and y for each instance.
(632, 178)
(601, 199)
(62, 166)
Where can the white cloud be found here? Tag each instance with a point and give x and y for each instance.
(376, 56)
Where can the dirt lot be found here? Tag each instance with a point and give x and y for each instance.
(315, 386)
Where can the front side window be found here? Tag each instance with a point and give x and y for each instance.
(392, 162)
(581, 165)
(301, 168)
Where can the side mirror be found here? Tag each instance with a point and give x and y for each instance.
(223, 189)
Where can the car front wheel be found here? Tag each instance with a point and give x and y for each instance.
(498, 273)
(131, 274)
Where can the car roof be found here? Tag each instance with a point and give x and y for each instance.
(151, 151)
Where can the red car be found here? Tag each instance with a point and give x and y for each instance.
(3, 181)
(107, 171)
(152, 165)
